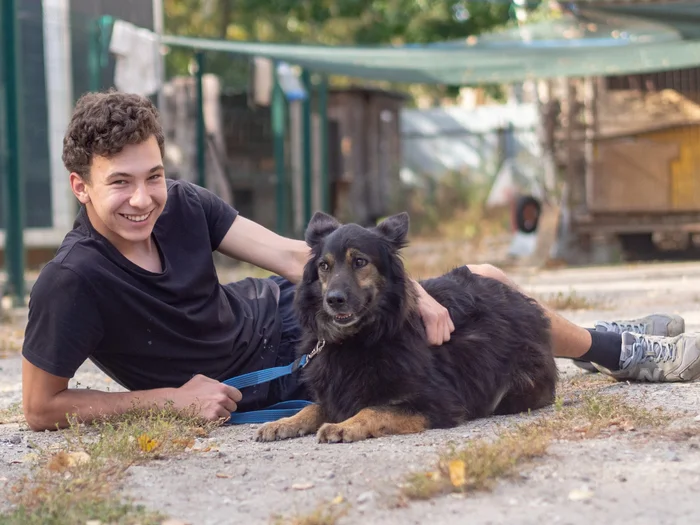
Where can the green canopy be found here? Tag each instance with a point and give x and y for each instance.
(600, 38)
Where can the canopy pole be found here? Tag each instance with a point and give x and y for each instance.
(14, 185)
(277, 115)
(201, 128)
(323, 117)
(306, 146)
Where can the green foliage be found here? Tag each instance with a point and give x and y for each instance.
(330, 22)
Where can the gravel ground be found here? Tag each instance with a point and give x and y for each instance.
(628, 478)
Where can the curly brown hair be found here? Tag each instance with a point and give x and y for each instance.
(103, 123)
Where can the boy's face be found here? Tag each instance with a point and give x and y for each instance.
(126, 193)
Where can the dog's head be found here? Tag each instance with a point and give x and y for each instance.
(355, 274)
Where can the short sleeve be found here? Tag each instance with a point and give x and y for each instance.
(220, 215)
(64, 325)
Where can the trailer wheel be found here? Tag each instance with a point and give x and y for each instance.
(526, 213)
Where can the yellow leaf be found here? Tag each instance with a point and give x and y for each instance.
(458, 471)
(338, 500)
(146, 443)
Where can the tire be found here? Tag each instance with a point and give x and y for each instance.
(526, 213)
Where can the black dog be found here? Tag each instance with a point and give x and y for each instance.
(375, 374)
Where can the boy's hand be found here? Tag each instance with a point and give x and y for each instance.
(213, 399)
(436, 318)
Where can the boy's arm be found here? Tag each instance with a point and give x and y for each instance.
(250, 242)
(47, 400)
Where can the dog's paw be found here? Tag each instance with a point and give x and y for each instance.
(279, 430)
(337, 433)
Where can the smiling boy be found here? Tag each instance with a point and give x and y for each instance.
(133, 288)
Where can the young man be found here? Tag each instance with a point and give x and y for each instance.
(133, 288)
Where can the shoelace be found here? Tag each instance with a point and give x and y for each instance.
(645, 350)
(636, 328)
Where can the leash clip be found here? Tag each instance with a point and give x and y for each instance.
(317, 349)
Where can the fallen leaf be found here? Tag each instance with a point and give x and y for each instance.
(302, 486)
(58, 462)
(147, 444)
(222, 475)
(458, 471)
(338, 500)
(182, 442)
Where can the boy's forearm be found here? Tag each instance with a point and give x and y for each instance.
(88, 405)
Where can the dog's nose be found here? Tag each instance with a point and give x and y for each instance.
(336, 298)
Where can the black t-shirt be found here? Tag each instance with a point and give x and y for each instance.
(149, 330)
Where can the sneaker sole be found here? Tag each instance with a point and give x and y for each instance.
(585, 365)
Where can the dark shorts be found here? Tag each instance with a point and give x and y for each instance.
(290, 386)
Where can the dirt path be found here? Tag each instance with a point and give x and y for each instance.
(630, 478)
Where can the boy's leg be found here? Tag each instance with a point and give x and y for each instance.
(289, 387)
(660, 353)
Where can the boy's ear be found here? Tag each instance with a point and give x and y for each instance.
(79, 188)
(395, 229)
(320, 226)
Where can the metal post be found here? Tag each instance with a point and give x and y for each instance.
(98, 50)
(277, 114)
(323, 117)
(201, 129)
(14, 187)
(307, 184)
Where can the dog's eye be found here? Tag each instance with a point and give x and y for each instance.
(360, 262)
(323, 266)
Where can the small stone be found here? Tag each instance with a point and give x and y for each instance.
(582, 494)
(366, 497)
(697, 418)
(672, 456)
(303, 486)
(15, 440)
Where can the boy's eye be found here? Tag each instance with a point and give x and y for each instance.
(360, 262)
(323, 266)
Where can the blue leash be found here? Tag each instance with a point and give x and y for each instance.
(278, 410)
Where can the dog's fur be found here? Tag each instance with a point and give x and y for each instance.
(377, 374)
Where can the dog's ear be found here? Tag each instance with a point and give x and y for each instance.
(395, 229)
(320, 225)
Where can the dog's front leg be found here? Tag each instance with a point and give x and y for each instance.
(306, 421)
(372, 422)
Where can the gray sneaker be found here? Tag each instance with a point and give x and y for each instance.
(655, 324)
(658, 359)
